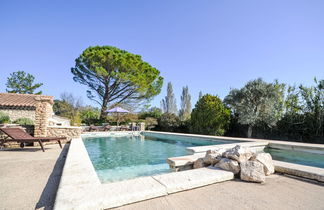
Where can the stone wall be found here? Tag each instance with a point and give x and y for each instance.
(69, 132)
(44, 111)
(19, 112)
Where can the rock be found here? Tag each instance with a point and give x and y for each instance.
(229, 165)
(199, 163)
(238, 153)
(266, 160)
(213, 156)
(252, 171)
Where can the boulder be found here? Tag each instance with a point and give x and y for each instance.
(229, 165)
(252, 171)
(238, 153)
(199, 163)
(213, 156)
(266, 160)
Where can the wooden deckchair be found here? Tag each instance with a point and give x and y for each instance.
(20, 136)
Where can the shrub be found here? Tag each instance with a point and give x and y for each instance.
(4, 118)
(210, 116)
(153, 112)
(169, 122)
(24, 121)
(150, 122)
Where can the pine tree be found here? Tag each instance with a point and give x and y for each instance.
(185, 110)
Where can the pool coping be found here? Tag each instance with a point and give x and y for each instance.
(80, 187)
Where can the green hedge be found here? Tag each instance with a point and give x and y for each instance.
(24, 121)
(4, 118)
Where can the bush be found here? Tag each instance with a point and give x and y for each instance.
(24, 121)
(210, 116)
(90, 116)
(154, 112)
(150, 122)
(4, 118)
(169, 122)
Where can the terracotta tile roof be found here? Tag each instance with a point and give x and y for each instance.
(22, 100)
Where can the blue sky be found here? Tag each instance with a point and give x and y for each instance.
(211, 46)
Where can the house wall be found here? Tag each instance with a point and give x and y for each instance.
(44, 111)
(19, 112)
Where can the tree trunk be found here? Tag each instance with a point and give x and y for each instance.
(104, 105)
(249, 132)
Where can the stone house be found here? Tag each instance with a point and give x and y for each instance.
(39, 108)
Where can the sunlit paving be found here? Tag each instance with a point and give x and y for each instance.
(180, 105)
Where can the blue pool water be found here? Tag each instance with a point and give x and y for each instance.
(120, 158)
(298, 157)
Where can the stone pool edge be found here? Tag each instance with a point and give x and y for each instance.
(80, 187)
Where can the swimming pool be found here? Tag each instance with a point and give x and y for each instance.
(119, 158)
(298, 157)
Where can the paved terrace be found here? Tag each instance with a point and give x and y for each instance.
(29, 179)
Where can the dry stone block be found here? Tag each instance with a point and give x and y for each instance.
(238, 153)
(266, 160)
(213, 156)
(199, 163)
(252, 171)
(229, 165)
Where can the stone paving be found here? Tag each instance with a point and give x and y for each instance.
(29, 178)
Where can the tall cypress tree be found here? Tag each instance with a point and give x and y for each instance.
(169, 104)
(185, 110)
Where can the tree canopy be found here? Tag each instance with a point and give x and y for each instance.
(257, 101)
(210, 116)
(22, 82)
(115, 76)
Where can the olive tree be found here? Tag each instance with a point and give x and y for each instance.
(115, 76)
(257, 101)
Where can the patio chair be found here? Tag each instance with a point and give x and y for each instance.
(93, 128)
(107, 128)
(20, 136)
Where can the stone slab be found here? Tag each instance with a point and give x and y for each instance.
(185, 180)
(299, 170)
(254, 146)
(129, 191)
(296, 146)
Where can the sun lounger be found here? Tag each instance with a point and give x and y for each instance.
(20, 136)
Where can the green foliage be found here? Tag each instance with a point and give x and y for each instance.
(153, 112)
(304, 118)
(151, 122)
(89, 115)
(22, 82)
(4, 118)
(169, 104)
(185, 110)
(24, 121)
(63, 108)
(76, 119)
(115, 76)
(209, 116)
(256, 102)
(168, 122)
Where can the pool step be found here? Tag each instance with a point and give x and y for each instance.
(308, 172)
